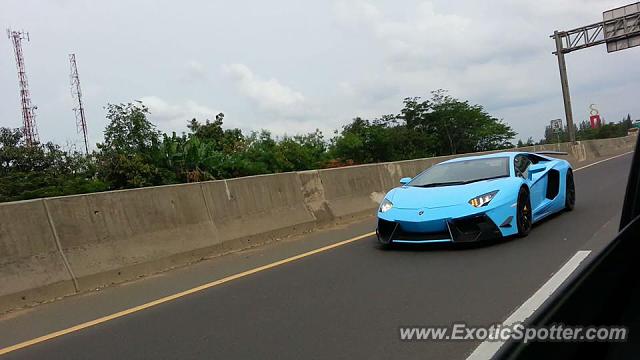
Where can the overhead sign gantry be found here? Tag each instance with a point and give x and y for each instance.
(619, 30)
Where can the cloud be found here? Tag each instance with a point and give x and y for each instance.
(267, 94)
(498, 55)
(347, 57)
(356, 12)
(174, 117)
(426, 36)
(195, 71)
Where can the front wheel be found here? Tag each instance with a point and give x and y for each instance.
(523, 215)
(570, 192)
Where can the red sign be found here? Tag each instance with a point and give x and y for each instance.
(595, 121)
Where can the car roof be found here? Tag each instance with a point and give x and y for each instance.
(509, 154)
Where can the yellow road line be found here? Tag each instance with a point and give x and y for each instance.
(176, 296)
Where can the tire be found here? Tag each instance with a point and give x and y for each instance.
(570, 192)
(523, 213)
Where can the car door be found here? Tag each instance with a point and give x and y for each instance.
(537, 185)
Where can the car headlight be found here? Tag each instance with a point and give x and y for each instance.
(385, 205)
(482, 200)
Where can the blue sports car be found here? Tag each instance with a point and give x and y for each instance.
(476, 198)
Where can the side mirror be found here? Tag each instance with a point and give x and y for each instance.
(405, 180)
(536, 168)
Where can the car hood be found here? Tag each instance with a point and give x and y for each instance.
(411, 197)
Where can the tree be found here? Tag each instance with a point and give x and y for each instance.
(135, 154)
(453, 126)
(441, 125)
(42, 170)
(561, 135)
(190, 159)
(530, 141)
(209, 131)
(584, 131)
(227, 141)
(627, 122)
(263, 154)
(364, 141)
(421, 141)
(128, 157)
(303, 152)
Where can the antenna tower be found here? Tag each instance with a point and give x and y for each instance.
(29, 128)
(81, 121)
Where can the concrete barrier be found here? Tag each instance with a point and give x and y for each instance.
(59, 246)
(595, 149)
(32, 268)
(116, 236)
(350, 191)
(256, 209)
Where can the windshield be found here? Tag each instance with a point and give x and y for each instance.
(463, 172)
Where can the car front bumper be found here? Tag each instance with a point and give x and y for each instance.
(460, 223)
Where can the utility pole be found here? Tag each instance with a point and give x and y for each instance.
(76, 92)
(562, 65)
(29, 128)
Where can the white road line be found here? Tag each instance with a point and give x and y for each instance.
(601, 161)
(488, 349)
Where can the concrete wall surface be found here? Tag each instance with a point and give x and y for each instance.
(31, 264)
(60, 246)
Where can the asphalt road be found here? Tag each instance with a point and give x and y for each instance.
(349, 302)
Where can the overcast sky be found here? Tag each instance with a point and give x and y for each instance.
(294, 66)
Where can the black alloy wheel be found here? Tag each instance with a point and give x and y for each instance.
(524, 213)
(570, 193)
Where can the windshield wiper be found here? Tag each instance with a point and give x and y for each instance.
(442, 184)
(487, 178)
(449, 183)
